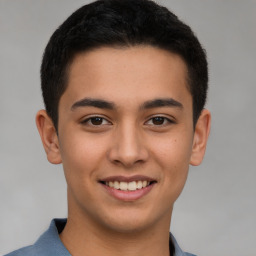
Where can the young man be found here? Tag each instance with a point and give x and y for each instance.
(124, 84)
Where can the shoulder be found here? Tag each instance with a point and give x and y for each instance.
(48, 243)
(25, 251)
(30, 250)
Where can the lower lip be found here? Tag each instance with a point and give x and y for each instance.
(129, 195)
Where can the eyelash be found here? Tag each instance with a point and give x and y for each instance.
(88, 121)
(165, 120)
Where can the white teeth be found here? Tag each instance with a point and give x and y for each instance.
(123, 185)
(116, 185)
(139, 184)
(144, 183)
(131, 186)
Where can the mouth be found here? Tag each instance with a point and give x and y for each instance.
(128, 188)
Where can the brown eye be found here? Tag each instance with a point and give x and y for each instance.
(96, 120)
(158, 120)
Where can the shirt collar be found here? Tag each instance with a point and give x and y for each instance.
(177, 249)
(51, 240)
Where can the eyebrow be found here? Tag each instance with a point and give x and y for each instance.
(98, 103)
(165, 102)
(89, 102)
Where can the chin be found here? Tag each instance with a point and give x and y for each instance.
(127, 226)
(129, 221)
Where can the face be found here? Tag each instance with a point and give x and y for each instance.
(125, 136)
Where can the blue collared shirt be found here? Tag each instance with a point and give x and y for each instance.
(49, 243)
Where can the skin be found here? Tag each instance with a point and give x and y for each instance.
(128, 140)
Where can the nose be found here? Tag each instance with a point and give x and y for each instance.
(128, 147)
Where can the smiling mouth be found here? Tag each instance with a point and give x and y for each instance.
(128, 186)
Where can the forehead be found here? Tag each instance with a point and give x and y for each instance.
(125, 74)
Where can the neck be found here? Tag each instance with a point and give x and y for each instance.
(83, 237)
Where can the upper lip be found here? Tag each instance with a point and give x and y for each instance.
(128, 178)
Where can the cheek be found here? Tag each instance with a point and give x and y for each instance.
(173, 151)
(173, 155)
(81, 154)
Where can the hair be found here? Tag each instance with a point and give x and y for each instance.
(124, 23)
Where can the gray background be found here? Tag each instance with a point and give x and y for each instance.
(216, 214)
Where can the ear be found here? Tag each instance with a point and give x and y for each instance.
(201, 134)
(48, 136)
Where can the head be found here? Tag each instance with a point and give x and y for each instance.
(124, 84)
(121, 23)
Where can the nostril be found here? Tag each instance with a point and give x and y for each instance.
(127, 151)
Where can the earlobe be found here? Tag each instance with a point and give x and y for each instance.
(48, 136)
(201, 134)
